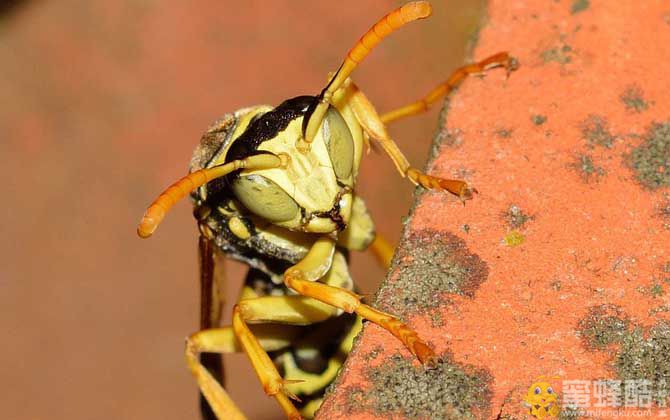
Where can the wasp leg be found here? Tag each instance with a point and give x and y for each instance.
(382, 250)
(302, 278)
(255, 341)
(374, 127)
(384, 27)
(501, 59)
(220, 340)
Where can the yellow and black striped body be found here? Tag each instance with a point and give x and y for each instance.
(312, 353)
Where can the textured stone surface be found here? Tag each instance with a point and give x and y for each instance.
(101, 105)
(570, 156)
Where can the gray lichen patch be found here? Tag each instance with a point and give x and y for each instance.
(663, 212)
(561, 55)
(645, 356)
(376, 351)
(587, 169)
(569, 413)
(503, 133)
(633, 99)
(602, 326)
(450, 391)
(595, 130)
(515, 217)
(430, 265)
(651, 160)
(356, 399)
(449, 138)
(665, 270)
(642, 354)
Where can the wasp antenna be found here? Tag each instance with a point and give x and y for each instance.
(385, 26)
(158, 209)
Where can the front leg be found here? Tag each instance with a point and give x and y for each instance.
(375, 128)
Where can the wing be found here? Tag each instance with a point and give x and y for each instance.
(211, 303)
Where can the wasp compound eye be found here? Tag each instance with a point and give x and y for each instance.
(340, 143)
(265, 198)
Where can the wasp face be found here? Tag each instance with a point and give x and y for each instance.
(314, 192)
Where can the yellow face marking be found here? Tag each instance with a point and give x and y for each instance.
(309, 178)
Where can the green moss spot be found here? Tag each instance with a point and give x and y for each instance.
(595, 130)
(602, 326)
(633, 98)
(447, 392)
(579, 6)
(538, 119)
(651, 159)
(514, 238)
(656, 290)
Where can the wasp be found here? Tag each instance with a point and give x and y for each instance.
(274, 187)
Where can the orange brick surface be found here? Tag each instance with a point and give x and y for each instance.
(560, 266)
(101, 105)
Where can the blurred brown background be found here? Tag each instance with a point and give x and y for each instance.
(101, 104)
